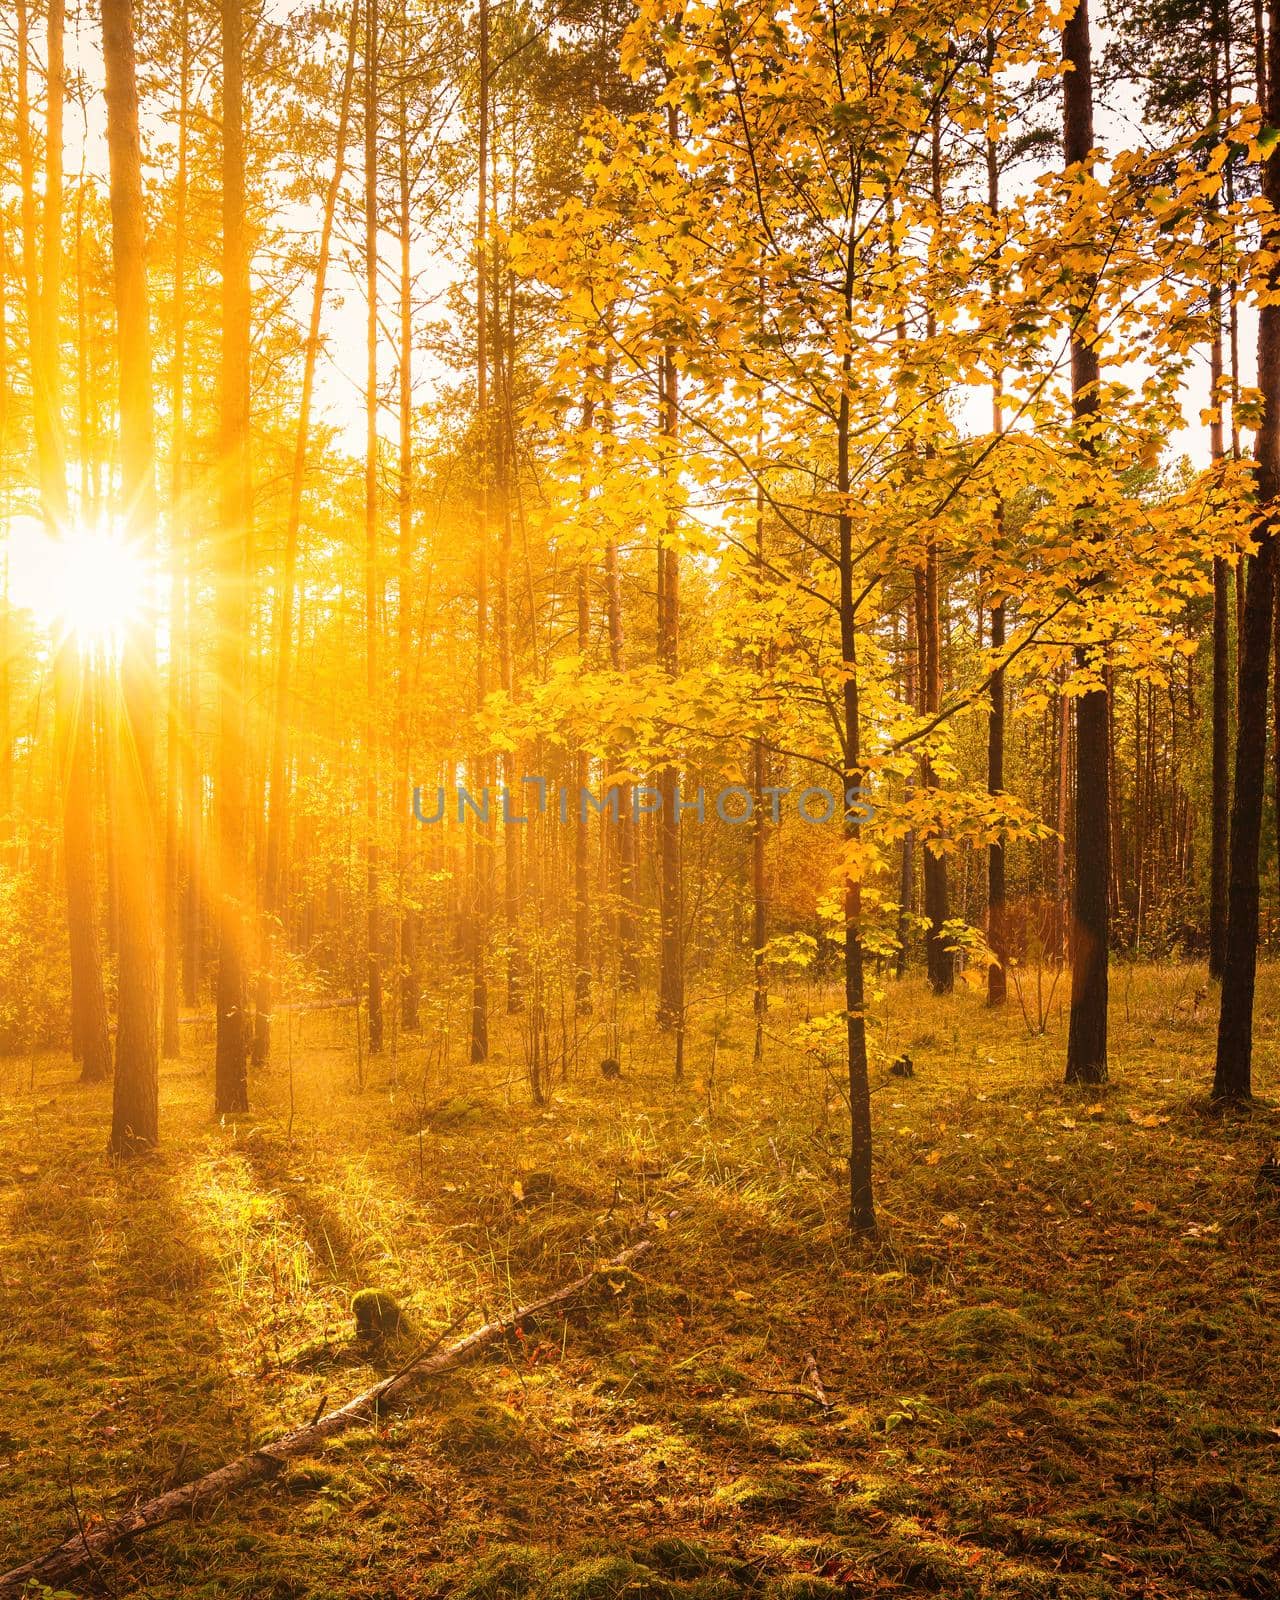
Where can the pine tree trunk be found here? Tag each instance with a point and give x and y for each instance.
(1219, 780)
(759, 897)
(997, 936)
(862, 1212)
(90, 1033)
(504, 461)
(73, 714)
(939, 960)
(231, 1088)
(173, 855)
(1087, 1034)
(479, 919)
(372, 579)
(134, 1123)
(274, 870)
(6, 643)
(759, 775)
(192, 799)
(409, 978)
(941, 966)
(1233, 1071)
(906, 866)
(670, 953)
(628, 965)
(581, 838)
(1275, 713)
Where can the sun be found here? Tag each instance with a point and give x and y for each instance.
(88, 584)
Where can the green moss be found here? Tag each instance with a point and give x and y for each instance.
(974, 1333)
(900, 1499)
(608, 1578)
(789, 1444)
(756, 1493)
(377, 1314)
(926, 1563)
(803, 1588)
(713, 1586)
(1007, 1383)
(676, 1558)
(484, 1430)
(317, 1477)
(504, 1574)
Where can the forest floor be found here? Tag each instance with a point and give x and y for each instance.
(1054, 1375)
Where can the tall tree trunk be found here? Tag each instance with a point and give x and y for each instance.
(372, 580)
(626, 921)
(409, 976)
(1087, 1034)
(108, 734)
(997, 937)
(90, 1033)
(759, 776)
(134, 1122)
(273, 876)
(231, 1090)
(1223, 689)
(581, 835)
(939, 959)
(178, 535)
(6, 642)
(1275, 713)
(582, 772)
(670, 951)
(1233, 1071)
(1062, 819)
(906, 866)
(862, 1211)
(997, 934)
(73, 714)
(479, 919)
(628, 970)
(193, 899)
(1220, 787)
(505, 468)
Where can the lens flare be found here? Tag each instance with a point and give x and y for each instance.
(89, 584)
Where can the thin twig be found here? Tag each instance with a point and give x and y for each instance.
(84, 1538)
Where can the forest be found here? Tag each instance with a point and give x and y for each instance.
(639, 786)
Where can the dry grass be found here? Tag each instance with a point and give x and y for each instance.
(1053, 1376)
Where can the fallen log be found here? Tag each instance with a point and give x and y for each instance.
(83, 1548)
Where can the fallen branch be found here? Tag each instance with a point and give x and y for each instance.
(83, 1548)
